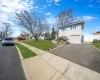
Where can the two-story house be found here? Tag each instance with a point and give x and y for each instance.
(72, 31)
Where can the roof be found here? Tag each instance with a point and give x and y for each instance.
(96, 33)
(75, 23)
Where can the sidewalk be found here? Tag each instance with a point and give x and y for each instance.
(47, 66)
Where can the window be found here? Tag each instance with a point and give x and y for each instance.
(73, 27)
(8, 39)
(63, 29)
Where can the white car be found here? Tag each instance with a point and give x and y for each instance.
(7, 41)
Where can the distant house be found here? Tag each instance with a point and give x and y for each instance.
(72, 31)
(90, 38)
(25, 35)
(41, 37)
(96, 35)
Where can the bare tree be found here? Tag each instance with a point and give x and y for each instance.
(33, 23)
(64, 17)
(6, 30)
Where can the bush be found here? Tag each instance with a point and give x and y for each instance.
(63, 38)
(96, 41)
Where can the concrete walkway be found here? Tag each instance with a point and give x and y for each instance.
(47, 66)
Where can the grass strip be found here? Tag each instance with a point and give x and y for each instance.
(26, 53)
(41, 44)
(96, 45)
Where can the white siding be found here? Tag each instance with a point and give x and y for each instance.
(41, 37)
(90, 38)
(68, 32)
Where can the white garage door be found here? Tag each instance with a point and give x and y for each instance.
(75, 39)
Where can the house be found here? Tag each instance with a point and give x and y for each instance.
(28, 36)
(90, 38)
(25, 35)
(96, 35)
(72, 31)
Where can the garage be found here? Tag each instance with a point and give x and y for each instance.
(75, 39)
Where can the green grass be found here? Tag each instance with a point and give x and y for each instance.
(41, 44)
(26, 53)
(96, 45)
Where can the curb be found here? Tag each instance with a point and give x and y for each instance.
(96, 47)
(27, 76)
(19, 52)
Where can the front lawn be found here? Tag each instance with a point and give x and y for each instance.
(97, 45)
(26, 53)
(41, 44)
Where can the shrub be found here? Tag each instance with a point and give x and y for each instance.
(95, 41)
(63, 38)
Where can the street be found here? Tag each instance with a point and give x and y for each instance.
(82, 54)
(10, 65)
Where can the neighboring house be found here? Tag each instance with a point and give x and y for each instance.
(41, 37)
(96, 35)
(72, 31)
(90, 38)
(25, 35)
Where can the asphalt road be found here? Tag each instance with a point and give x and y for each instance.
(10, 65)
(82, 54)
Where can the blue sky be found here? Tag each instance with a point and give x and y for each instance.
(88, 10)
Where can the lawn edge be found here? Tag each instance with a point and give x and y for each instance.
(27, 76)
(96, 47)
(19, 52)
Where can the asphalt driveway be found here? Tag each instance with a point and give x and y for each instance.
(10, 65)
(82, 54)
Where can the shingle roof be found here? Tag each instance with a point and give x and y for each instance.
(96, 33)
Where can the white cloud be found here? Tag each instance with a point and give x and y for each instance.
(98, 1)
(51, 21)
(9, 7)
(87, 18)
(44, 5)
(36, 7)
(90, 5)
(48, 13)
(91, 0)
(53, 1)
(76, 0)
(57, 0)
(57, 4)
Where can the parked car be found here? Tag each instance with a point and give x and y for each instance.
(0, 39)
(7, 41)
(21, 38)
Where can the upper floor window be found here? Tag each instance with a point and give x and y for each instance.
(73, 27)
(63, 29)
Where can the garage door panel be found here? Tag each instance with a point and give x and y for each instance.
(75, 39)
